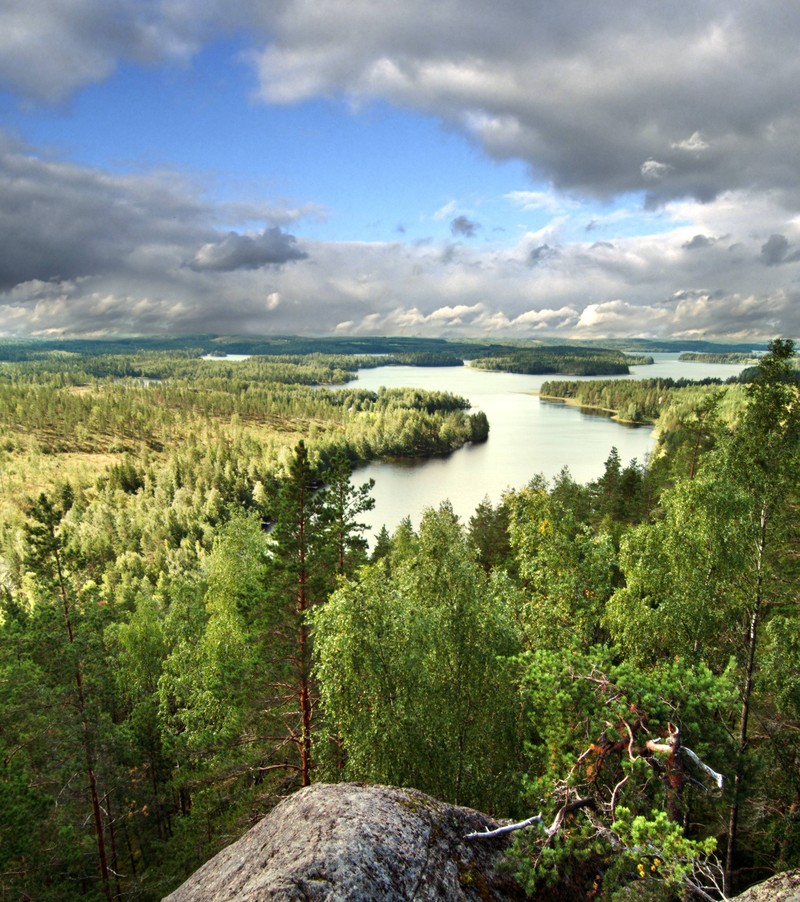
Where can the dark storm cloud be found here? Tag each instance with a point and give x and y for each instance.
(464, 226)
(775, 250)
(61, 221)
(272, 247)
(600, 98)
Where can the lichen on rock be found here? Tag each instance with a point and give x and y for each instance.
(357, 842)
(780, 888)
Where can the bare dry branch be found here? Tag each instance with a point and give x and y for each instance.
(551, 830)
(509, 828)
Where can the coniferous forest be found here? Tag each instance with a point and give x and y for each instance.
(192, 625)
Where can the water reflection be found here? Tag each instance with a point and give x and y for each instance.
(528, 436)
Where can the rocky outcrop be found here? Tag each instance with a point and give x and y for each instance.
(354, 842)
(780, 888)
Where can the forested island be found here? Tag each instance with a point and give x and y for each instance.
(726, 357)
(192, 625)
(566, 360)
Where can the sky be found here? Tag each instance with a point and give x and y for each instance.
(514, 169)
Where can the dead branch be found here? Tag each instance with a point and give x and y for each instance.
(617, 788)
(717, 778)
(551, 830)
(509, 828)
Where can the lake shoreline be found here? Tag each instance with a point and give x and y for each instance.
(612, 414)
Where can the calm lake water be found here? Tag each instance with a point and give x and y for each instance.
(527, 436)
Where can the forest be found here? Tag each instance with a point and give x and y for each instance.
(566, 360)
(192, 626)
(643, 400)
(727, 357)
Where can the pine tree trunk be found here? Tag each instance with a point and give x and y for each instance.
(303, 650)
(91, 778)
(747, 690)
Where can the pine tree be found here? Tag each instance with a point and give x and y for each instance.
(302, 564)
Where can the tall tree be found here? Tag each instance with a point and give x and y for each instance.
(762, 456)
(345, 503)
(567, 569)
(413, 669)
(304, 557)
(49, 563)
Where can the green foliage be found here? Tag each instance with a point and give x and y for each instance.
(157, 623)
(568, 360)
(119, 404)
(636, 401)
(568, 569)
(488, 533)
(412, 672)
(683, 592)
(592, 716)
(664, 860)
(723, 357)
(706, 579)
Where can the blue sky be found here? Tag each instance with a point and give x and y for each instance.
(357, 167)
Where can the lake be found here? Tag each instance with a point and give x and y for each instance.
(527, 436)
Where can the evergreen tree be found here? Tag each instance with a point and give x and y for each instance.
(66, 628)
(303, 562)
(762, 457)
(344, 504)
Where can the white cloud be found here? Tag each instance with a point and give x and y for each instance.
(694, 144)
(550, 201)
(652, 169)
(445, 211)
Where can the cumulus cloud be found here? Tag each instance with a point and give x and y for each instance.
(596, 100)
(88, 252)
(50, 49)
(585, 290)
(583, 95)
(693, 144)
(652, 169)
(84, 250)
